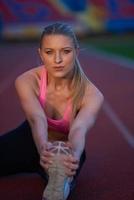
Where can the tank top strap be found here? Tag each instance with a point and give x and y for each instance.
(43, 86)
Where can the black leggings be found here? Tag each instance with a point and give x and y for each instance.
(18, 153)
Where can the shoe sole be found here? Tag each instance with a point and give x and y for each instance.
(55, 187)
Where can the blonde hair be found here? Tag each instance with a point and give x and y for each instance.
(79, 83)
(79, 79)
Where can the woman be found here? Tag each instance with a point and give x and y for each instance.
(60, 103)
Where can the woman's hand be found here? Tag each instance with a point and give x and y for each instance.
(46, 156)
(71, 165)
(70, 162)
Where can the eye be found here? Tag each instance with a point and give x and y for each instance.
(67, 51)
(48, 52)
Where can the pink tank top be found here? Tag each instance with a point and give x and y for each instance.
(60, 125)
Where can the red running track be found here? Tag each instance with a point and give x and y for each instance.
(108, 172)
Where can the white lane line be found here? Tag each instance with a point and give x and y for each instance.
(127, 135)
(116, 59)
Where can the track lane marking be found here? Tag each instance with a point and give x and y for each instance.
(111, 57)
(126, 133)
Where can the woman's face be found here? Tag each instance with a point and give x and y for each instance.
(58, 55)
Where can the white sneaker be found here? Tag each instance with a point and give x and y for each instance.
(58, 187)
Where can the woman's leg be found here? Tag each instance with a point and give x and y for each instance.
(18, 152)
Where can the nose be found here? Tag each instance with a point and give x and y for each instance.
(58, 58)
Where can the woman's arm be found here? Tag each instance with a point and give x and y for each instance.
(85, 119)
(25, 86)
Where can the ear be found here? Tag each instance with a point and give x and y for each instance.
(39, 51)
(40, 54)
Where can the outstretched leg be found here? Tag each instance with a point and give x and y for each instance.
(18, 152)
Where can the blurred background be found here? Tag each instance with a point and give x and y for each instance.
(105, 24)
(105, 29)
(27, 18)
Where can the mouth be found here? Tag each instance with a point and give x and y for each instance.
(58, 68)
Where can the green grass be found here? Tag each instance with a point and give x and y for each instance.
(117, 44)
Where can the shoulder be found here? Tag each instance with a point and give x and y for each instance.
(92, 94)
(31, 74)
(29, 79)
